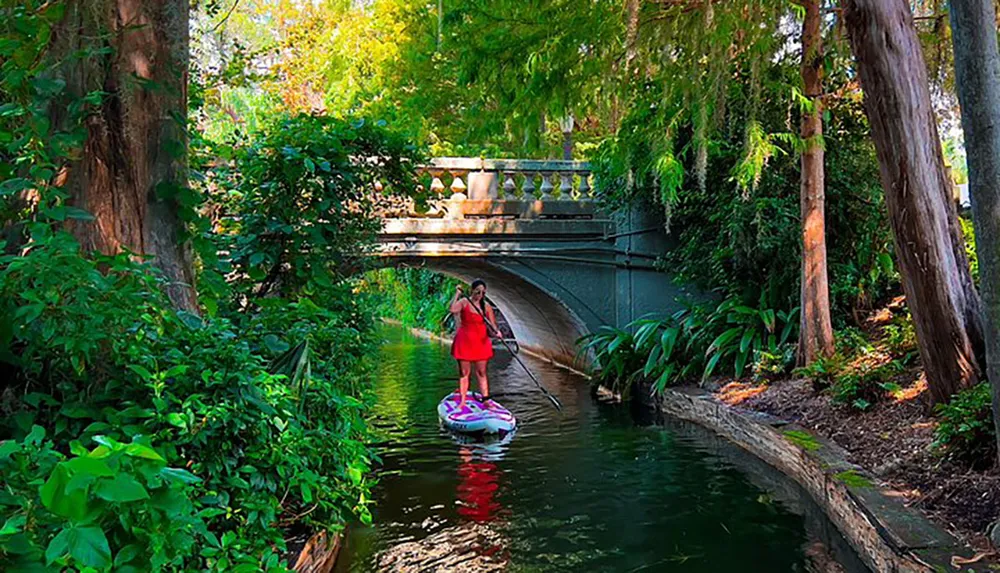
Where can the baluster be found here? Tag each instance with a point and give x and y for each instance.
(584, 189)
(437, 186)
(529, 186)
(458, 187)
(509, 187)
(547, 187)
(565, 186)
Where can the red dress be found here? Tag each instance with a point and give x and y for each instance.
(472, 343)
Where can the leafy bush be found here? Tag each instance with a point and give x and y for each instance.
(769, 365)
(101, 353)
(301, 208)
(969, 234)
(34, 147)
(901, 336)
(748, 330)
(850, 341)
(693, 341)
(823, 371)
(862, 371)
(863, 386)
(416, 297)
(117, 504)
(92, 351)
(619, 361)
(965, 426)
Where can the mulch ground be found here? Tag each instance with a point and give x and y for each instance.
(894, 441)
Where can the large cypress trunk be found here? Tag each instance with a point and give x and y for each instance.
(918, 192)
(977, 75)
(133, 163)
(816, 330)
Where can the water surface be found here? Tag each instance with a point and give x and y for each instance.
(586, 489)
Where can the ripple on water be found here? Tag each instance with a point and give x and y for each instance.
(584, 489)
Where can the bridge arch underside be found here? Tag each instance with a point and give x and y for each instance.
(541, 323)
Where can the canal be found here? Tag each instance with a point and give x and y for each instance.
(585, 489)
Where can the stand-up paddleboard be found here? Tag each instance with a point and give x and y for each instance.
(477, 417)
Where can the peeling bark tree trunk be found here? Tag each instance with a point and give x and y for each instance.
(133, 160)
(816, 331)
(977, 75)
(918, 194)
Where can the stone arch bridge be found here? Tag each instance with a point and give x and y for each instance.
(555, 264)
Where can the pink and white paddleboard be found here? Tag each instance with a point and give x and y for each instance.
(490, 418)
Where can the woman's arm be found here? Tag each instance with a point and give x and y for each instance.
(455, 306)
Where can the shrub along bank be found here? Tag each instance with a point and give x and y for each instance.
(137, 437)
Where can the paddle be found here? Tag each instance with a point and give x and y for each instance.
(555, 401)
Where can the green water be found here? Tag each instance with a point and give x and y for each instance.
(586, 489)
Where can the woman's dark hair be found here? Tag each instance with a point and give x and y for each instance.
(482, 301)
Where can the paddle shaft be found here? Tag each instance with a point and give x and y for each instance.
(555, 401)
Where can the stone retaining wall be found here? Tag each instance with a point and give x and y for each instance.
(888, 536)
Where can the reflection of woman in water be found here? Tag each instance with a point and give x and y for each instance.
(476, 489)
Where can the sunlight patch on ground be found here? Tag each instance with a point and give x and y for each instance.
(737, 392)
(912, 391)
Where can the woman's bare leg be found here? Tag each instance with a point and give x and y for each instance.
(484, 385)
(464, 367)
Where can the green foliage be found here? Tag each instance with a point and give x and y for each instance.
(864, 385)
(32, 149)
(304, 208)
(694, 341)
(618, 359)
(99, 352)
(640, 160)
(969, 234)
(864, 371)
(416, 297)
(748, 331)
(745, 243)
(769, 365)
(965, 426)
(901, 336)
(850, 341)
(823, 371)
(262, 399)
(115, 506)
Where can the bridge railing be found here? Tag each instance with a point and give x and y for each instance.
(467, 187)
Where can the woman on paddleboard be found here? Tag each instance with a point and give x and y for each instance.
(472, 347)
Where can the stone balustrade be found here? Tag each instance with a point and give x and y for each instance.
(469, 188)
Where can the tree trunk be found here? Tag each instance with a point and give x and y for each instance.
(918, 194)
(977, 77)
(816, 331)
(133, 162)
(631, 32)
